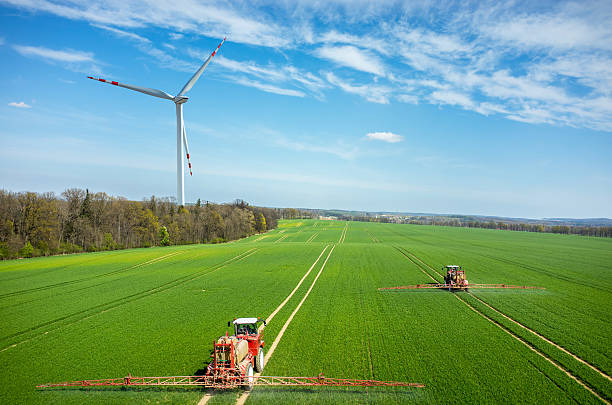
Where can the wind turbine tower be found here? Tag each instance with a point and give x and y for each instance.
(181, 135)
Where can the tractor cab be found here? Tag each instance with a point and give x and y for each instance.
(455, 277)
(251, 330)
(246, 327)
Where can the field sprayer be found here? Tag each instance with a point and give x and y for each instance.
(455, 280)
(234, 359)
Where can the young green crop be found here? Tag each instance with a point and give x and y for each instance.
(156, 312)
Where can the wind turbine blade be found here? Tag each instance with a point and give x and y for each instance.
(145, 90)
(197, 74)
(187, 149)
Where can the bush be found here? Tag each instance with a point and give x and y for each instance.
(109, 243)
(164, 236)
(68, 247)
(27, 250)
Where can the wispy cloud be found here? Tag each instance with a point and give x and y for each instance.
(190, 16)
(123, 34)
(268, 88)
(352, 57)
(371, 92)
(78, 61)
(67, 55)
(534, 64)
(384, 136)
(19, 104)
(271, 75)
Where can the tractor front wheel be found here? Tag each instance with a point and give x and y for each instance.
(259, 361)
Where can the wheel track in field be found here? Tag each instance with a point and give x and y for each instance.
(210, 393)
(101, 308)
(529, 267)
(282, 238)
(547, 272)
(35, 272)
(343, 234)
(407, 254)
(312, 237)
(540, 336)
(242, 399)
(80, 280)
(535, 350)
(374, 238)
(544, 338)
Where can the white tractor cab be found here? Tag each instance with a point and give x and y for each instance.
(246, 326)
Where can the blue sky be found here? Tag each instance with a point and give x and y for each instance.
(446, 107)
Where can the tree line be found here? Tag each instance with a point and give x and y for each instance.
(41, 224)
(599, 231)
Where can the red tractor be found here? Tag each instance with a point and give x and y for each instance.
(455, 278)
(235, 357)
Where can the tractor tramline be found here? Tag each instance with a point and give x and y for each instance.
(234, 359)
(455, 280)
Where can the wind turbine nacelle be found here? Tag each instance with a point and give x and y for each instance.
(180, 99)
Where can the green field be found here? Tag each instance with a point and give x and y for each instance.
(156, 311)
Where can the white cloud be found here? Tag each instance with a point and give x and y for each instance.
(384, 136)
(187, 16)
(20, 104)
(371, 92)
(352, 57)
(408, 98)
(286, 74)
(77, 61)
(67, 55)
(122, 33)
(376, 44)
(452, 98)
(552, 31)
(268, 88)
(537, 64)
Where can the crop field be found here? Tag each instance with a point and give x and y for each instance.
(156, 312)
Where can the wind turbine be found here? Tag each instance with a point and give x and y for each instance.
(181, 136)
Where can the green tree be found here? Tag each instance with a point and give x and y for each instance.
(109, 243)
(164, 236)
(260, 223)
(27, 250)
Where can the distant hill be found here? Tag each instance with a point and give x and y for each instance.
(461, 217)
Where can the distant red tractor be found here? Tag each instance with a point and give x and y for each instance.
(455, 278)
(235, 357)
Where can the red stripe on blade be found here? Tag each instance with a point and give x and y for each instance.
(115, 83)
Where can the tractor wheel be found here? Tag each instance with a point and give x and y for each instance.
(249, 378)
(259, 361)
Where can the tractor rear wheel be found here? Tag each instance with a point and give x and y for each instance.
(259, 361)
(249, 378)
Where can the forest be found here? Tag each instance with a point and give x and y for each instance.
(42, 224)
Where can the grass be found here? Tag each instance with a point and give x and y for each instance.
(156, 312)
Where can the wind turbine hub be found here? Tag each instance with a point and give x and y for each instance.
(180, 99)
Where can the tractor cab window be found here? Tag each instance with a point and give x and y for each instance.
(246, 329)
